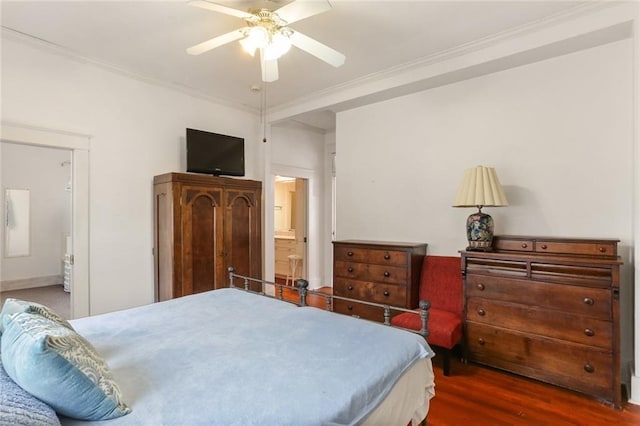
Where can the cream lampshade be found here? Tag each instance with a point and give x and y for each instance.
(480, 188)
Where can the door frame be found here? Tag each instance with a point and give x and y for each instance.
(314, 238)
(78, 144)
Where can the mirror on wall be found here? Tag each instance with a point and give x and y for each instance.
(16, 222)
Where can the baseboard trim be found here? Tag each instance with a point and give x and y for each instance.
(33, 282)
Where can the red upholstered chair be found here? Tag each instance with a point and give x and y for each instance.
(440, 284)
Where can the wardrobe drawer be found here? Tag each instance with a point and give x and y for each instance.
(544, 322)
(365, 255)
(370, 272)
(586, 301)
(389, 294)
(579, 367)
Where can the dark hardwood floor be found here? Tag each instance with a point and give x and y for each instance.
(477, 395)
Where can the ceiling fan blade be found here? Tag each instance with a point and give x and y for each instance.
(220, 8)
(269, 68)
(301, 9)
(216, 42)
(317, 49)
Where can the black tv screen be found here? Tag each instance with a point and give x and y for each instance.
(214, 154)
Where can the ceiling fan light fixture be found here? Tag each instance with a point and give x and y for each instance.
(257, 38)
(279, 45)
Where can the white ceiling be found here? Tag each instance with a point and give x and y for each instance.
(148, 39)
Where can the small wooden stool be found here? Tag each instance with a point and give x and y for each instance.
(295, 260)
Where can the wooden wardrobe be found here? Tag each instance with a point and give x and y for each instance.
(203, 225)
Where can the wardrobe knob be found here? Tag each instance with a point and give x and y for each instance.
(480, 286)
(350, 287)
(481, 312)
(349, 269)
(387, 274)
(589, 368)
(349, 253)
(386, 256)
(589, 332)
(588, 301)
(481, 341)
(386, 293)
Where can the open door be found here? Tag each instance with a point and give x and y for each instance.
(290, 227)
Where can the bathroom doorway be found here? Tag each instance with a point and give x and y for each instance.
(290, 228)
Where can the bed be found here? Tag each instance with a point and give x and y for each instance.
(233, 357)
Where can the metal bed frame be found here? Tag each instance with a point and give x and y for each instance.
(303, 292)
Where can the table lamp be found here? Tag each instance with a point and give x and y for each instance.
(480, 188)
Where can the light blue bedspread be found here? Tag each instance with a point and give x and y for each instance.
(226, 357)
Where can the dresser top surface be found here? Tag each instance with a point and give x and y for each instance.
(380, 244)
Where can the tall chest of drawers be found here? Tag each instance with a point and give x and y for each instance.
(379, 272)
(547, 308)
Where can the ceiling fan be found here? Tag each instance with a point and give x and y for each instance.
(268, 31)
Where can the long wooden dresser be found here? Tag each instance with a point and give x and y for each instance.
(375, 271)
(547, 308)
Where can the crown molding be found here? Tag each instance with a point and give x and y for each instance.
(449, 54)
(44, 45)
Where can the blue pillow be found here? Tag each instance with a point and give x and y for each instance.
(19, 408)
(13, 306)
(60, 367)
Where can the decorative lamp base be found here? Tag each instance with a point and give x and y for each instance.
(479, 232)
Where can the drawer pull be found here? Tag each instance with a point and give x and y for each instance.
(481, 341)
(543, 247)
(386, 256)
(589, 332)
(387, 274)
(350, 269)
(588, 301)
(349, 287)
(349, 308)
(480, 286)
(481, 312)
(589, 368)
(386, 293)
(524, 245)
(602, 249)
(349, 253)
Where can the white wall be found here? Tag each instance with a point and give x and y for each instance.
(137, 132)
(298, 151)
(559, 133)
(39, 170)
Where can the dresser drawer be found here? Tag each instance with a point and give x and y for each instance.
(585, 301)
(579, 367)
(586, 248)
(543, 322)
(376, 256)
(514, 244)
(389, 294)
(358, 310)
(369, 272)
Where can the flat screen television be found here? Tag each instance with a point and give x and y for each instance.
(214, 154)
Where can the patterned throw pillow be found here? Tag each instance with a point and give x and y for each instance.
(58, 366)
(13, 306)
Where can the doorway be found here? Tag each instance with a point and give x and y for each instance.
(37, 200)
(77, 246)
(290, 228)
